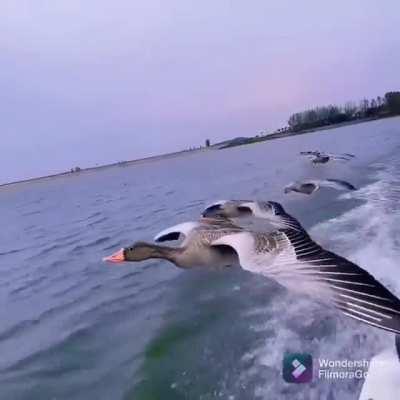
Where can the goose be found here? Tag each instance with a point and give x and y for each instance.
(319, 157)
(194, 251)
(296, 262)
(316, 153)
(312, 185)
(382, 381)
(271, 211)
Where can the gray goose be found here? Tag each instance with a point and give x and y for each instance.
(310, 186)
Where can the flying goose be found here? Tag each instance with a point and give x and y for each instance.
(323, 153)
(271, 211)
(194, 251)
(295, 261)
(312, 185)
(319, 157)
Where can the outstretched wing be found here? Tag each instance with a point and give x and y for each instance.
(342, 283)
(175, 232)
(343, 157)
(215, 206)
(294, 260)
(337, 184)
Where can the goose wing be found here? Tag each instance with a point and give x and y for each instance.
(309, 153)
(176, 231)
(332, 156)
(337, 184)
(342, 156)
(294, 260)
(185, 229)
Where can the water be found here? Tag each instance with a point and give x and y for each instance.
(73, 327)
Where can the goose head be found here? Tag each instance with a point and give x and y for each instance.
(139, 251)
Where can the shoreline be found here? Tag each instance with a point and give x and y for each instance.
(181, 153)
(120, 164)
(281, 135)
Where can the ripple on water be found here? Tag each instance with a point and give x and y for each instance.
(12, 251)
(55, 246)
(75, 328)
(18, 328)
(93, 243)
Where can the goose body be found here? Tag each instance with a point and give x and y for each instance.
(194, 251)
(312, 185)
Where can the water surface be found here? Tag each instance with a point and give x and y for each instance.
(75, 328)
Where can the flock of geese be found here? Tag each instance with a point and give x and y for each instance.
(310, 186)
(282, 250)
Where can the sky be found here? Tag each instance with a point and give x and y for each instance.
(92, 82)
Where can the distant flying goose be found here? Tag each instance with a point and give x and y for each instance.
(323, 153)
(319, 157)
(271, 211)
(312, 185)
(195, 250)
(295, 261)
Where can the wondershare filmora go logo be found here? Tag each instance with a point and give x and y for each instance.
(297, 368)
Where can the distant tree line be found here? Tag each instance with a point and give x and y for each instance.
(332, 114)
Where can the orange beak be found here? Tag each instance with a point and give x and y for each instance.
(117, 257)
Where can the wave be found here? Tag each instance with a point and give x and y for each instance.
(93, 243)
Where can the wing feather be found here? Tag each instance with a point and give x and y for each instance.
(350, 288)
(294, 260)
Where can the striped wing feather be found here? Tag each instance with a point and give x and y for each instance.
(352, 290)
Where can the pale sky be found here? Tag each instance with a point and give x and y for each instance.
(94, 81)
